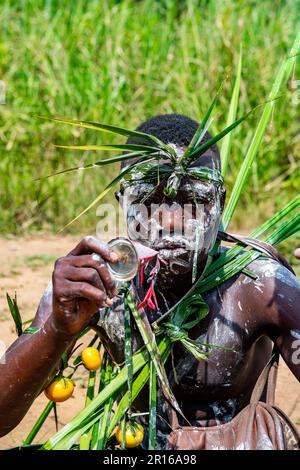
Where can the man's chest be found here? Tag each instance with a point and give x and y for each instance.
(235, 353)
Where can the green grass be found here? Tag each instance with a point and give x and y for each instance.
(120, 63)
(37, 261)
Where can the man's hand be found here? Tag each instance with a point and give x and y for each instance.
(81, 285)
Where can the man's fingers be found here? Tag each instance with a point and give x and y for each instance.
(89, 275)
(87, 291)
(89, 245)
(97, 263)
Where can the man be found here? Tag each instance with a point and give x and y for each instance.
(245, 315)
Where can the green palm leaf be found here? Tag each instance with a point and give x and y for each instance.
(113, 147)
(281, 78)
(102, 435)
(128, 350)
(200, 132)
(143, 137)
(150, 343)
(15, 313)
(106, 161)
(105, 191)
(152, 406)
(226, 142)
(202, 149)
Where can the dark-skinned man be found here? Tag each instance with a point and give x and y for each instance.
(245, 315)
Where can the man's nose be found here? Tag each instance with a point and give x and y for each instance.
(170, 217)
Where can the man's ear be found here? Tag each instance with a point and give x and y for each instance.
(222, 197)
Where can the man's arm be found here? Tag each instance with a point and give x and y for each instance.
(81, 285)
(284, 316)
(24, 368)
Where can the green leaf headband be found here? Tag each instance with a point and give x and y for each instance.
(155, 172)
(151, 148)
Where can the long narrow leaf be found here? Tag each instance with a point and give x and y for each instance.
(113, 147)
(202, 149)
(85, 438)
(150, 343)
(143, 137)
(164, 347)
(285, 230)
(102, 373)
(226, 142)
(152, 407)
(128, 351)
(104, 192)
(281, 78)
(196, 140)
(38, 424)
(102, 435)
(260, 231)
(15, 313)
(106, 161)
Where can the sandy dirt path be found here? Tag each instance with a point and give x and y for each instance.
(26, 267)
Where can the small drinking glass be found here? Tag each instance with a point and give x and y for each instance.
(127, 265)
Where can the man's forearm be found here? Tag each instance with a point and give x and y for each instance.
(24, 369)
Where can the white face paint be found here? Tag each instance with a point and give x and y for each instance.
(177, 228)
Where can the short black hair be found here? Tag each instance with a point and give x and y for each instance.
(179, 130)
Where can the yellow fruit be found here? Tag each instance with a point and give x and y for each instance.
(91, 358)
(60, 389)
(134, 435)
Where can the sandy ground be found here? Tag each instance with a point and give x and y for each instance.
(26, 267)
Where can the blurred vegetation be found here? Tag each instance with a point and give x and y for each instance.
(121, 63)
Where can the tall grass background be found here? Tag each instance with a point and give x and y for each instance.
(121, 62)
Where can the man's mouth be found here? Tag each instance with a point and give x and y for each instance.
(171, 245)
(174, 252)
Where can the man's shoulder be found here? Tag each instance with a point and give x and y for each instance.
(270, 271)
(262, 276)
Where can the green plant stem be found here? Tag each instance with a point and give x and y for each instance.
(152, 407)
(85, 439)
(39, 423)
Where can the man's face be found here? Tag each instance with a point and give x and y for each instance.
(182, 230)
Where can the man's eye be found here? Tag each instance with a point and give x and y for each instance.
(149, 198)
(193, 199)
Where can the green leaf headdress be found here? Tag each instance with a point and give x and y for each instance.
(152, 160)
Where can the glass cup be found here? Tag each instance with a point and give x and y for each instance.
(127, 265)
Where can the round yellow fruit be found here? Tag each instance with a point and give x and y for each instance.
(60, 389)
(134, 435)
(91, 358)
